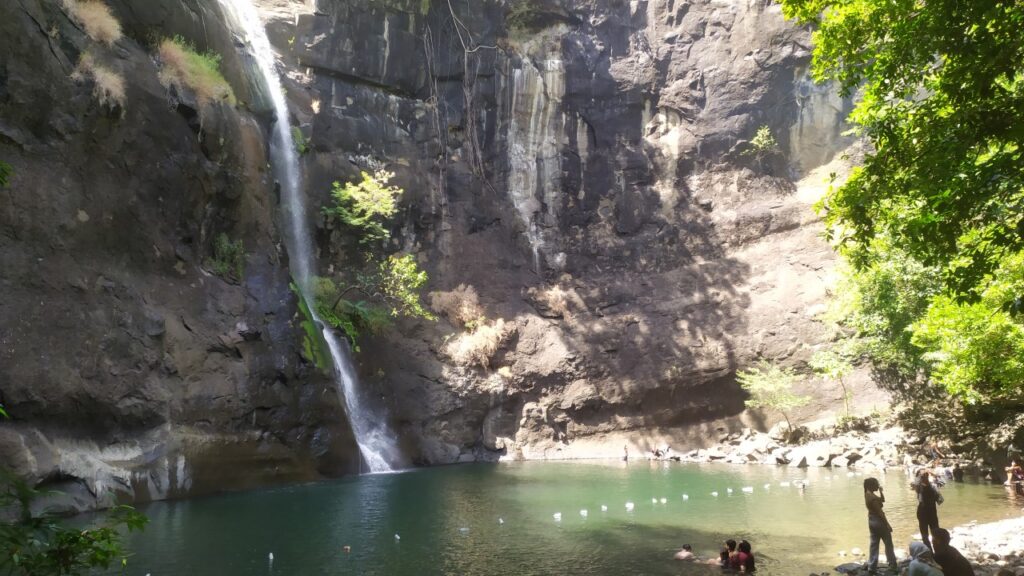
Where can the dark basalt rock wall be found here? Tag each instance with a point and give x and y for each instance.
(593, 152)
(125, 364)
(583, 166)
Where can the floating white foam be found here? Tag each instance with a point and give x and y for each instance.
(604, 508)
(464, 530)
(557, 516)
(767, 486)
(856, 551)
(714, 493)
(501, 520)
(270, 556)
(842, 553)
(728, 490)
(784, 484)
(629, 506)
(654, 500)
(397, 537)
(664, 500)
(686, 496)
(583, 513)
(748, 489)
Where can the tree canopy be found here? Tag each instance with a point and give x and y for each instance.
(932, 223)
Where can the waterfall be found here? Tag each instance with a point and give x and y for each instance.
(535, 129)
(375, 440)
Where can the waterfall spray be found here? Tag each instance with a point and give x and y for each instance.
(375, 440)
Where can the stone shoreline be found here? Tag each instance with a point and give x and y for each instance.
(822, 447)
(994, 548)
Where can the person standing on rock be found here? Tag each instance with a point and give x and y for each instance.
(928, 499)
(878, 526)
(952, 561)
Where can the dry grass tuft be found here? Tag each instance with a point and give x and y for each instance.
(555, 301)
(96, 19)
(461, 306)
(108, 85)
(183, 67)
(478, 347)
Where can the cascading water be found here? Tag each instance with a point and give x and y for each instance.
(375, 440)
(534, 128)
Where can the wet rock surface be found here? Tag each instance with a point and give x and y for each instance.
(130, 370)
(586, 170)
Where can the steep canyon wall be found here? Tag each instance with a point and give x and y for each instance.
(582, 167)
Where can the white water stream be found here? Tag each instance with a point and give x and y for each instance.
(375, 440)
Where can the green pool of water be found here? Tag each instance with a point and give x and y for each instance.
(448, 521)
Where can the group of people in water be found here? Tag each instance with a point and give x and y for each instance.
(933, 555)
(734, 556)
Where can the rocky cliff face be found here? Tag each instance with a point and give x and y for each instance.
(125, 363)
(583, 168)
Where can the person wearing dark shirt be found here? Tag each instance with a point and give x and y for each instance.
(728, 554)
(958, 473)
(745, 558)
(878, 526)
(928, 498)
(952, 561)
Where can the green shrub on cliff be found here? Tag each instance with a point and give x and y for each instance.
(370, 297)
(300, 141)
(386, 290)
(763, 143)
(184, 67)
(228, 260)
(314, 349)
(42, 545)
(524, 16)
(365, 206)
(5, 174)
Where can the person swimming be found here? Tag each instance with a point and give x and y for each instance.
(745, 558)
(686, 553)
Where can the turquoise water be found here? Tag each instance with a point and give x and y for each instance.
(448, 521)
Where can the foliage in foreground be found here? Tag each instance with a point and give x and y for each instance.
(184, 67)
(933, 222)
(42, 545)
(771, 387)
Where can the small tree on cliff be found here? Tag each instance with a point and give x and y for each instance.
(771, 387)
(833, 365)
(386, 286)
